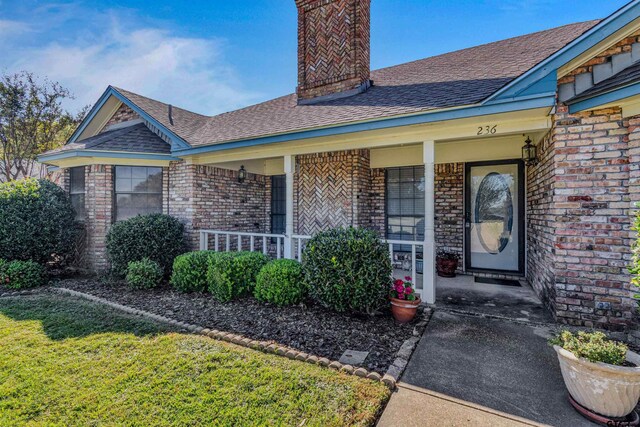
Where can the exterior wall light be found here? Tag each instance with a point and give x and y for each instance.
(529, 153)
(242, 174)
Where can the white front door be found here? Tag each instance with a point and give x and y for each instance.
(494, 213)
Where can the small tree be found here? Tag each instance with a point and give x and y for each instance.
(32, 121)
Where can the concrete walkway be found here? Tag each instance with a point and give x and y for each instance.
(471, 370)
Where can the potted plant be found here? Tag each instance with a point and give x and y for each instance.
(404, 301)
(447, 263)
(601, 375)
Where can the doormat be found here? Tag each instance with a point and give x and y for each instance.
(502, 282)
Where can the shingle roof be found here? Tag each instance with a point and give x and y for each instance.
(629, 75)
(454, 79)
(133, 139)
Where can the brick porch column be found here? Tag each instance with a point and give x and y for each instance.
(289, 169)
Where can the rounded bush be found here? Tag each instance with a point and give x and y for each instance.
(22, 274)
(281, 282)
(347, 269)
(233, 274)
(190, 271)
(36, 222)
(144, 274)
(157, 237)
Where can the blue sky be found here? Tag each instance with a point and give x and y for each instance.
(211, 56)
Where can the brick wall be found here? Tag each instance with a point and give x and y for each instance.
(205, 197)
(122, 114)
(332, 190)
(99, 203)
(580, 196)
(449, 208)
(540, 224)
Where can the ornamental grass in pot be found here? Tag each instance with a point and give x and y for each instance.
(600, 374)
(404, 301)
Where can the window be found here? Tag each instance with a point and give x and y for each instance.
(76, 192)
(278, 204)
(138, 191)
(405, 204)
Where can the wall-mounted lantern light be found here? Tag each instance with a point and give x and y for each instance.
(242, 174)
(529, 153)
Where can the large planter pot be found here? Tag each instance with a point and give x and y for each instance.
(446, 267)
(608, 390)
(404, 311)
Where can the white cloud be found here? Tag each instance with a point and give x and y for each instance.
(9, 28)
(188, 72)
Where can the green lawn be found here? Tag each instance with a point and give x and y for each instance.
(65, 361)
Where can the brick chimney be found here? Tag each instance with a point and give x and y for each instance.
(333, 49)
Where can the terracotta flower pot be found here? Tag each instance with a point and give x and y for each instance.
(608, 390)
(446, 267)
(404, 311)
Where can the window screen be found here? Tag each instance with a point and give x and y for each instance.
(278, 204)
(138, 191)
(405, 204)
(77, 192)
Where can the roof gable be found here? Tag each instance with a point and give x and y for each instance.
(155, 114)
(543, 76)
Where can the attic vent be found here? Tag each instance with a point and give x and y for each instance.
(170, 114)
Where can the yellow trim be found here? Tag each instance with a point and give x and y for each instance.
(85, 161)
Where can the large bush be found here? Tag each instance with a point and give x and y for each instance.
(36, 222)
(281, 282)
(144, 274)
(157, 237)
(233, 274)
(22, 274)
(347, 269)
(190, 271)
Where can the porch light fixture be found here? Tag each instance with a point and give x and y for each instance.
(529, 153)
(242, 174)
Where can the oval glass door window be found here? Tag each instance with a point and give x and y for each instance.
(493, 212)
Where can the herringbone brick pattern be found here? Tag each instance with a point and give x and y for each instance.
(333, 46)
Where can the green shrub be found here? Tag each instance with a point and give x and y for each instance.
(22, 274)
(233, 274)
(593, 346)
(281, 282)
(144, 274)
(36, 222)
(190, 271)
(157, 237)
(347, 269)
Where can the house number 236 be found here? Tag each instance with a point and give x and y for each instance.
(487, 130)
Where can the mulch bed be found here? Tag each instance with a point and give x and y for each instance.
(308, 328)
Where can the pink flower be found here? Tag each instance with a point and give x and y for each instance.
(407, 278)
(398, 282)
(408, 290)
(400, 289)
(400, 296)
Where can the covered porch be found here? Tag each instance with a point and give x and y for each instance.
(411, 185)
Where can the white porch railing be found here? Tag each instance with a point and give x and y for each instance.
(273, 244)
